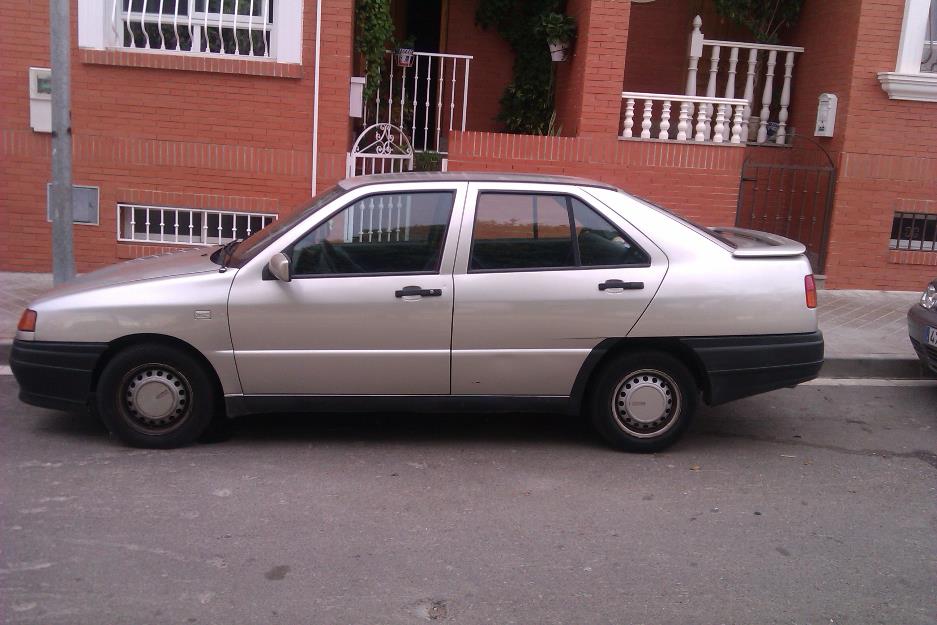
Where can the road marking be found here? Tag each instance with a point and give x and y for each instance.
(868, 382)
(5, 370)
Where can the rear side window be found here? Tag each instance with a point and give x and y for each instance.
(525, 231)
(388, 233)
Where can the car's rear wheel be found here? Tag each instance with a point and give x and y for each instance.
(155, 396)
(643, 401)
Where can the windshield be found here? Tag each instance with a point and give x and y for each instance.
(249, 247)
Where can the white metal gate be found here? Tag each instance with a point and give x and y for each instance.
(380, 149)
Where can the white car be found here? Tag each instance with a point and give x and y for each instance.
(434, 291)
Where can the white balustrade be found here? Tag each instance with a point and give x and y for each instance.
(770, 115)
(424, 98)
(708, 127)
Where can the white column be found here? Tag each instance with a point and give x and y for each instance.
(766, 97)
(739, 110)
(720, 127)
(629, 119)
(730, 81)
(785, 99)
(749, 94)
(695, 52)
(683, 124)
(700, 124)
(711, 87)
(646, 121)
(664, 121)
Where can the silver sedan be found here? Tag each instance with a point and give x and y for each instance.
(481, 292)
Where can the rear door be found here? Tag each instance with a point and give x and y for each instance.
(543, 274)
(369, 308)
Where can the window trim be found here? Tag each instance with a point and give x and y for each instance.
(575, 241)
(95, 32)
(442, 249)
(908, 82)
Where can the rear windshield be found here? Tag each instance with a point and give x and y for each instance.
(708, 232)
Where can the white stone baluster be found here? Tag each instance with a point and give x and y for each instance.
(664, 121)
(711, 87)
(629, 119)
(785, 99)
(683, 124)
(766, 96)
(695, 52)
(720, 127)
(749, 91)
(739, 111)
(730, 80)
(700, 124)
(646, 121)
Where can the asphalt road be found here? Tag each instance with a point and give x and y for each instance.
(815, 505)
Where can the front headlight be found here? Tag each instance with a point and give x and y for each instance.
(929, 298)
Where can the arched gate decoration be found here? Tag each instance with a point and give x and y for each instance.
(380, 149)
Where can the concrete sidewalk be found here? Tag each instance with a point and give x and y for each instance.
(865, 331)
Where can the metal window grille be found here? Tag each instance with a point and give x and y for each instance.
(914, 231)
(184, 226)
(224, 27)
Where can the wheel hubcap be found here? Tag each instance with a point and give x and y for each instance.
(156, 397)
(645, 403)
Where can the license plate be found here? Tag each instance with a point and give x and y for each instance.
(931, 336)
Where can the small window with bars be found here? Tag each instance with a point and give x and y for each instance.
(225, 27)
(184, 226)
(914, 231)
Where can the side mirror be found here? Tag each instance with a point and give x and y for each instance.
(279, 266)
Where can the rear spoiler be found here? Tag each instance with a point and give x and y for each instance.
(757, 244)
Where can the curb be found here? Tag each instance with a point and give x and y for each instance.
(5, 346)
(865, 367)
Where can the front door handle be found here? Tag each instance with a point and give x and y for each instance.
(619, 285)
(416, 291)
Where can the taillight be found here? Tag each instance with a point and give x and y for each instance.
(810, 287)
(27, 321)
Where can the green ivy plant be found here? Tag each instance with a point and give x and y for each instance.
(527, 102)
(764, 18)
(375, 30)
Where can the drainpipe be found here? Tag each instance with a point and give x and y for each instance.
(315, 99)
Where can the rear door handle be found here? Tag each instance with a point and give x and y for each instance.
(414, 291)
(619, 284)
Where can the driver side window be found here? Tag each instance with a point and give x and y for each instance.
(387, 233)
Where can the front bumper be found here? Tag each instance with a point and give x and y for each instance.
(919, 320)
(740, 366)
(54, 374)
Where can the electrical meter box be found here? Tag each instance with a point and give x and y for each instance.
(40, 99)
(826, 115)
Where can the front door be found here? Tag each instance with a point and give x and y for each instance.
(368, 310)
(541, 278)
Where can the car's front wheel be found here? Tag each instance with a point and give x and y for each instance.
(155, 396)
(643, 401)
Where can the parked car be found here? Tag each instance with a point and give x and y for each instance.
(457, 291)
(922, 327)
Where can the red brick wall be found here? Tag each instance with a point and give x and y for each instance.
(887, 164)
(491, 69)
(700, 182)
(237, 138)
(588, 85)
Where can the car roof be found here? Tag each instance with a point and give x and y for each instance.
(469, 176)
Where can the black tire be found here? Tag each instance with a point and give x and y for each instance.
(632, 389)
(155, 396)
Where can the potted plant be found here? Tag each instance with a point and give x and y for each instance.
(404, 53)
(559, 31)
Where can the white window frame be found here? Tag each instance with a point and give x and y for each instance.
(97, 31)
(908, 82)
